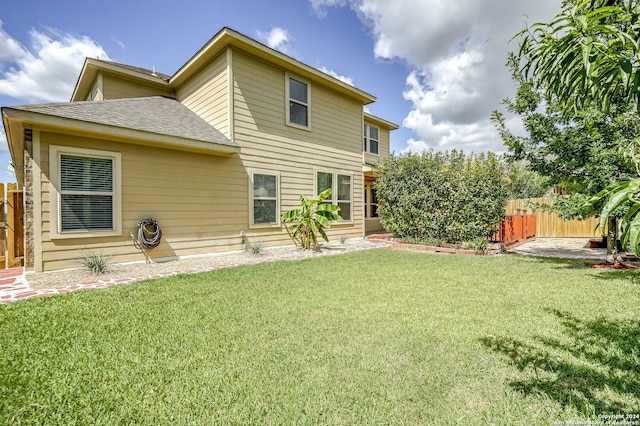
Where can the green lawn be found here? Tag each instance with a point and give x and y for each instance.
(374, 337)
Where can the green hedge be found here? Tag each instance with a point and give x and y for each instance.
(446, 196)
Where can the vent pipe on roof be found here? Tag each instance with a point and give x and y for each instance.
(153, 73)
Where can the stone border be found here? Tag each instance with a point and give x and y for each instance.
(14, 286)
(447, 250)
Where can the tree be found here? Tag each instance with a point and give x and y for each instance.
(587, 56)
(577, 151)
(524, 182)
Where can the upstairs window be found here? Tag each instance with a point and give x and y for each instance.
(371, 141)
(298, 102)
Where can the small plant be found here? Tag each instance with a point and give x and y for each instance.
(312, 217)
(343, 238)
(97, 263)
(480, 245)
(255, 247)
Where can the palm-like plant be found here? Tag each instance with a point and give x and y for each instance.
(312, 218)
(617, 195)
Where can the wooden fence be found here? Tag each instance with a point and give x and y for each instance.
(550, 225)
(12, 226)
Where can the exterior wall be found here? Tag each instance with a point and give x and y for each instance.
(114, 88)
(200, 202)
(206, 94)
(333, 143)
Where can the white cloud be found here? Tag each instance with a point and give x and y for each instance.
(457, 51)
(342, 78)
(319, 5)
(278, 38)
(118, 42)
(4, 149)
(47, 69)
(9, 48)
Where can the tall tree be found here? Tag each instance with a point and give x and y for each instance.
(577, 151)
(588, 56)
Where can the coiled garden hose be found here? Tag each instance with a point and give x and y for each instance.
(149, 233)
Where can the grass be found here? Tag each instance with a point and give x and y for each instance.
(419, 339)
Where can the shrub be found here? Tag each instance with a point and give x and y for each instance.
(97, 263)
(255, 247)
(442, 196)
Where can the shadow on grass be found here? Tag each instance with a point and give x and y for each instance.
(592, 366)
(632, 275)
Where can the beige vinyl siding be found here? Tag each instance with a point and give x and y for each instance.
(199, 200)
(96, 93)
(115, 88)
(332, 144)
(206, 94)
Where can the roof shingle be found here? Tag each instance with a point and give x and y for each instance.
(156, 114)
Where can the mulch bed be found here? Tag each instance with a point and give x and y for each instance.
(613, 265)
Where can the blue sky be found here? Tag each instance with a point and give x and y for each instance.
(436, 67)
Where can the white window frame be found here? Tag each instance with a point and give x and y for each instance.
(55, 153)
(334, 193)
(288, 100)
(368, 138)
(252, 198)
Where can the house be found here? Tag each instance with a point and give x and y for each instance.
(215, 153)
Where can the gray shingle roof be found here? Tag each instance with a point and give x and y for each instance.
(165, 77)
(156, 114)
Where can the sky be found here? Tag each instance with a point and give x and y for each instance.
(437, 67)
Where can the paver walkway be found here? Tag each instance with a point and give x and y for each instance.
(566, 248)
(14, 286)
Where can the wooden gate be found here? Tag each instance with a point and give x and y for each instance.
(12, 226)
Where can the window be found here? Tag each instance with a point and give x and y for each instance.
(86, 184)
(297, 102)
(341, 193)
(370, 202)
(264, 198)
(371, 141)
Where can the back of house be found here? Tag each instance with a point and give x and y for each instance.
(214, 153)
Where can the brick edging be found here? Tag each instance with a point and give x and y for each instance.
(449, 250)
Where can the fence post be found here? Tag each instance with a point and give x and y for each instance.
(15, 226)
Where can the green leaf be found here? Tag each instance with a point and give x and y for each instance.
(626, 66)
(616, 199)
(634, 236)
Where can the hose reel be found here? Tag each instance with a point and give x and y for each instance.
(149, 233)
